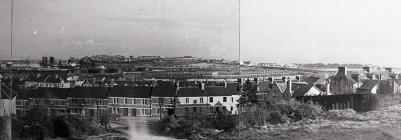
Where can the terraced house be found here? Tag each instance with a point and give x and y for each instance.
(130, 101)
(88, 101)
(208, 100)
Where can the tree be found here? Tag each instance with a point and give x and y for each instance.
(248, 93)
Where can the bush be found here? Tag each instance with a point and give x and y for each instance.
(194, 124)
(281, 112)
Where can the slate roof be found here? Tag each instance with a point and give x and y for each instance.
(164, 91)
(340, 77)
(314, 80)
(221, 91)
(322, 88)
(265, 86)
(281, 86)
(209, 91)
(53, 93)
(5, 91)
(89, 92)
(190, 92)
(53, 79)
(131, 91)
(23, 93)
(302, 90)
(369, 84)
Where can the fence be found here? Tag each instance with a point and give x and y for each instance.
(357, 102)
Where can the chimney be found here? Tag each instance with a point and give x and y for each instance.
(202, 86)
(367, 69)
(342, 70)
(380, 77)
(285, 79)
(328, 87)
(289, 85)
(389, 70)
(225, 84)
(256, 80)
(271, 79)
(177, 86)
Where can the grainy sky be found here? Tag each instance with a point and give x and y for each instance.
(202, 28)
(283, 31)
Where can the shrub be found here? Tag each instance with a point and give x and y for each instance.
(280, 112)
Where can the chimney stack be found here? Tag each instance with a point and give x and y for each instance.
(367, 69)
(177, 86)
(342, 70)
(289, 85)
(271, 79)
(225, 84)
(202, 86)
(328, 87)
(285, 79)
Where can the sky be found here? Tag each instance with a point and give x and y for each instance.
(281, 31)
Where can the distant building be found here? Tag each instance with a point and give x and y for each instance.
(50, 81)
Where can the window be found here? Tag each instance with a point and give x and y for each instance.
(187, 100)
(231, 108)
(201, 100)
(126, 101)
(232, 99)
(224, 99)
(195, 101)
(211, 99)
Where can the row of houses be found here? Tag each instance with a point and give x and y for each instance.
(136, 101)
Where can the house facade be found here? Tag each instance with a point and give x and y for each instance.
(130, 101)
(88, 101)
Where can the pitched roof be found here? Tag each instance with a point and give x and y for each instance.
(340, 77)
(23, 93)
(302, 90)
(314, 80)
(131, 91)
(322, 88)
(53, 79)
(369, 84)
(89, 92)
(209, 91)
(265, 86)
(281, 86)
(221, 91)
(55, 93)
(164, 91)
(190, 92)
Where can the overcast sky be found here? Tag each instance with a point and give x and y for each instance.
(283, 31)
